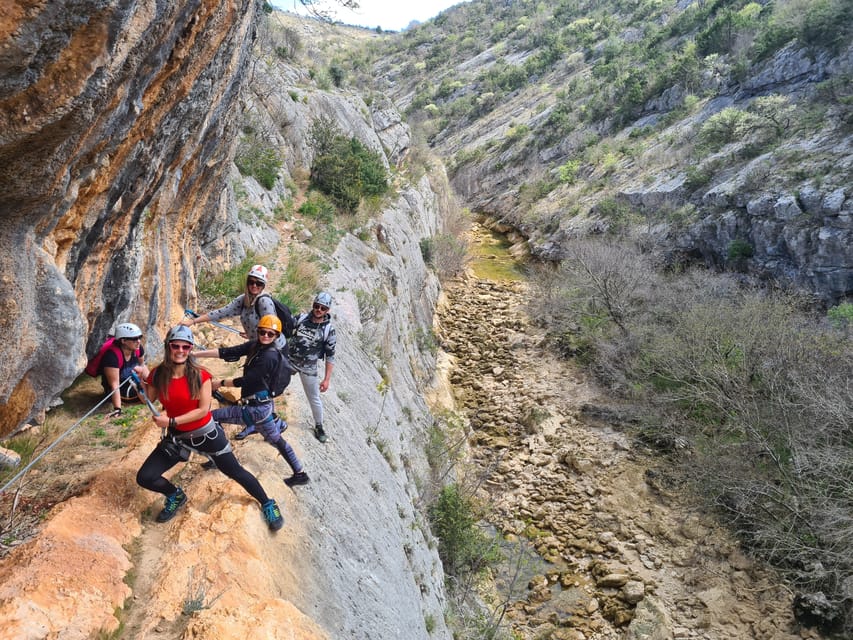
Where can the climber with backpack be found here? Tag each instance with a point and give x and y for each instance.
(251, 305)
(115, 361)
(266, 374)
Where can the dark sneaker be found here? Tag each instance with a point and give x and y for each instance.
(320, 433)
(297, 478)
(210, 464)
(246, 432)
(173, 503)
(272, 514)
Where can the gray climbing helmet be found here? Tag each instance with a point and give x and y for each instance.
(128, 330)
(180, 332)
(324, 299)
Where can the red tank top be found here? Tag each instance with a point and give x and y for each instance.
(178, 400)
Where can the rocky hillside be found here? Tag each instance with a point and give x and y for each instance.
(720, 130)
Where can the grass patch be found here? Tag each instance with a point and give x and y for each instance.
(300, 280)
(218, 288)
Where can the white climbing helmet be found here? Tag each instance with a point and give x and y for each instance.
(259, 271)
(128, 330)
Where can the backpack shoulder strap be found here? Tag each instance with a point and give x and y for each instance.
(258, 299)
(119, 354)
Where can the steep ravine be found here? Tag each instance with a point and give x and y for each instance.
(628, 556)
(355, 560)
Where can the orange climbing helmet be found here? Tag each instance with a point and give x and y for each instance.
(270, 322)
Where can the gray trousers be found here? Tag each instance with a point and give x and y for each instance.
(311, 385)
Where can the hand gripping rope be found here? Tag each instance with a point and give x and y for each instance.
(193, 314)
(62, 437)
(140, 390)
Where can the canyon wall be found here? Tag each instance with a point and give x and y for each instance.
(115, 130)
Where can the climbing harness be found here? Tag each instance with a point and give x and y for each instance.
(180, 443)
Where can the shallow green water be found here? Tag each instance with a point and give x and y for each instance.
(490, 256)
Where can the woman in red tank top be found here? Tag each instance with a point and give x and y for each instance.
(185, 391)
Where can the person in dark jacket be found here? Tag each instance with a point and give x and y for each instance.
(256, 408)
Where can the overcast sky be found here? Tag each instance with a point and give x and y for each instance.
(391, 15)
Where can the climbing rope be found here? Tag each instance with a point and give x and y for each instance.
(127, 380)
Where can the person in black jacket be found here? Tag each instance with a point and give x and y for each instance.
(256, 408)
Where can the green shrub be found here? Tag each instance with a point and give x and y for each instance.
(841, 315)
(258, 158)
(429, 622)
(569, 171)
(344, 169)
(721, 128)
(818, 23)
(318, 207)
(337, 73)
(300, 279)
(739, 248)
(218, 288)
(698, 176)
(426, 250)
(462, 546)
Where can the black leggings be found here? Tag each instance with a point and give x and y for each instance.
(150, 474)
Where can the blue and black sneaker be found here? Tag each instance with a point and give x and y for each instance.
(173, 503)
(245, 433)
(272, 514)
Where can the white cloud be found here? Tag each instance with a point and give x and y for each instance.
(391, 15)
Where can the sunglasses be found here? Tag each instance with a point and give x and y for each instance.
(263, 333)
(174, 346)
(320, 307)
(255, 283)
(136, 339)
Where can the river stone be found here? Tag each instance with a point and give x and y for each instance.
(633, 591)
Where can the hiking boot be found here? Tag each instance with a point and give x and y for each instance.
(246, 432)
(272, 514)
(320, 433)
(173, 503)
(207, 466)
(297, 478)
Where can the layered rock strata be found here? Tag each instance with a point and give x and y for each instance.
(114, 127)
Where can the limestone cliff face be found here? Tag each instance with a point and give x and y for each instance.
(356, 559)
(114, 127)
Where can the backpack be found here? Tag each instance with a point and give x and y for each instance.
(93, 366)
(281, 376)
(283, 312)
